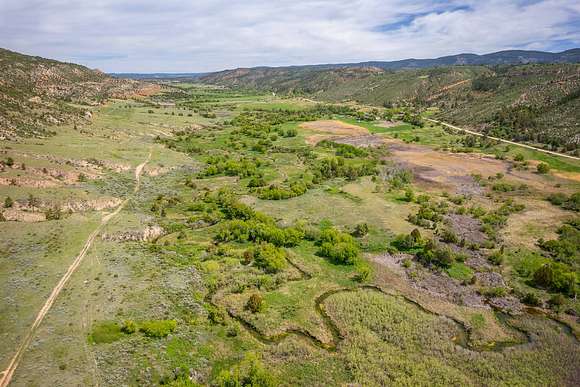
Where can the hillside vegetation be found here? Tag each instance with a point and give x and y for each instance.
(37, 92)
(536, 103)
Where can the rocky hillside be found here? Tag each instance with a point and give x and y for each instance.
(37, 93)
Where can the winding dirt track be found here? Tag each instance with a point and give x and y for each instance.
(9, 372)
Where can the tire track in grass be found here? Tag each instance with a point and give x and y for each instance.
(9, 372)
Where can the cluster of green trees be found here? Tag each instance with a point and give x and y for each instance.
(267, 256)
(333, 167)
(567, 247)
(222, 165)
(485, 83)
(339, 247)
(429, 214)
(571, 202)
(277, 192)
(558, 277)
(150, 328)
(343, 150)
(243, 224)
(413, 119)
(258, 123)
(427, 250)
(256, 231)
(249, 373)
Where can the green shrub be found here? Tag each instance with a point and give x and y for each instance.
(216, 315)
(503, 187)
(494, 292)
(276, 192)
(157, 328)
(556, 276)
(571, 203)
(531, 299)
(249, 373)
(129, 327)
(543, 168)
(496, 258)
(8, 202)
(448, 236)
(255, 303)
(435, 254)
(105, 332)
(360, 230)
(342, 253)
(256, 182)
(405, 242)
(269, 257)
(364, 273)
(53, 213)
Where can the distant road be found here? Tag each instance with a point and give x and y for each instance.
(504, 141)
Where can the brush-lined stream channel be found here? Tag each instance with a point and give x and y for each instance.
(461, 338)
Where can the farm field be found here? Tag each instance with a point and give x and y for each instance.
(245, 238)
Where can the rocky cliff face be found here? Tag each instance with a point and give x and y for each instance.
(36, 93)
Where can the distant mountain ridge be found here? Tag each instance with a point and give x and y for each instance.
(495, 58)
(158, 76)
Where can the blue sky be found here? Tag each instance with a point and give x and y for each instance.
(201, 35)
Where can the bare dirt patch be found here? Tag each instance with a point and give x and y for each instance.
(467, 228)
(434, 284)
(440, 285)
(16, 215)
(28, 182)
(331, 127)
(147, 234)
(436, 169)
(575, 176)
(22, 211)
(366, 141)
(540, 219)
(449, 170)
(388, 124)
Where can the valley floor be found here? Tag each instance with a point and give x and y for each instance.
(214, 237)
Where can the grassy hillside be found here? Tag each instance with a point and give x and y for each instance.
(37, 92)
(536, 103)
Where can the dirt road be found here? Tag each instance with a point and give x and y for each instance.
(9, 372)
(504, 141)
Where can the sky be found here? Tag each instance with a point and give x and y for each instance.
(203, 35)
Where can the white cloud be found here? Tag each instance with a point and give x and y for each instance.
(203, 35)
